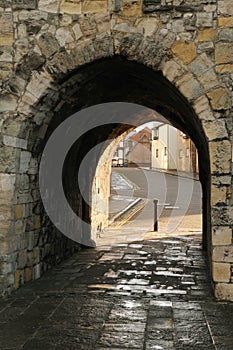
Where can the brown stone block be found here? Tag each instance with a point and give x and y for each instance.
(224, 68)
(37, 222)
(223, 53)
(28, 274)
(6, 39)
(224, 291)
(17, 278)
(18, 211)
(206, 35)
(94, 6)
(132, 9)
(36, 253)
(219, 98)
(223, 254)
(222, 235)
(221, 272)
(225, 21)
(71, 6)
(185, 51)
(218, 195)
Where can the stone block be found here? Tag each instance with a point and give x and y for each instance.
(94, 6)
(22, 259)
(6, 55)
(71, 6)
(37, 222)
(88, 25)
(49, 5)
(8, 101)
(132, 8)
(13, 141)
(221, 272)
(5, 212)
(215, 129)
(222, 236)
(5, 70)
(201, 65)
(189, 87)
(30, 259)
(223, 254)
(223, 53)
(18, 211)
(17, 279)
(224, 291)
(6, 39)
(7, 182)
(225, 7)
(38, 84)
(64, 36)
(77, 31)
(185, 51)
(28, 274)
(148, 26)
(224, 68)
(36, 272)
(218, 195)
(172, 70)
(19, 226)
(220, 157)
(202, 108)
(6, 22)
(226, 34)
(209, 80)
(225, 21)
(219, 98)
(9, 158)
(221, 180)
(36, 253)
(48, 44)
(25, 157)
(24, 4)
(204, 19)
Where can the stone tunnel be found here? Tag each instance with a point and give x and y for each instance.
(59, 57)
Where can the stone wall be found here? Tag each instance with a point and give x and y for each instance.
(43, 44)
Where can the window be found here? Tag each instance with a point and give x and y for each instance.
(157, 153)
(187, 152)
(180, 153)
(155, 134)
(165, 151)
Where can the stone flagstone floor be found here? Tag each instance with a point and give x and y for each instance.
(151, 294)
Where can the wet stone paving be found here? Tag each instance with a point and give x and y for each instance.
(152, 294)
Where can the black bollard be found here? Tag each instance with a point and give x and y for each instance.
(155, 215)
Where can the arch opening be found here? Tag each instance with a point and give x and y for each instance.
(105, 81)
(118, 80)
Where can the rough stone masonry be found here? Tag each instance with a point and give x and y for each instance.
(43, 44)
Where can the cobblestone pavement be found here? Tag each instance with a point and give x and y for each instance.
(151, 294)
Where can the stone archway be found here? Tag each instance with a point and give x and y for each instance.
(64, 84)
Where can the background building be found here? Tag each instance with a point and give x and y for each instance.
(173, 150)
(134, 150)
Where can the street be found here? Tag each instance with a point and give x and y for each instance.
(179, 199)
